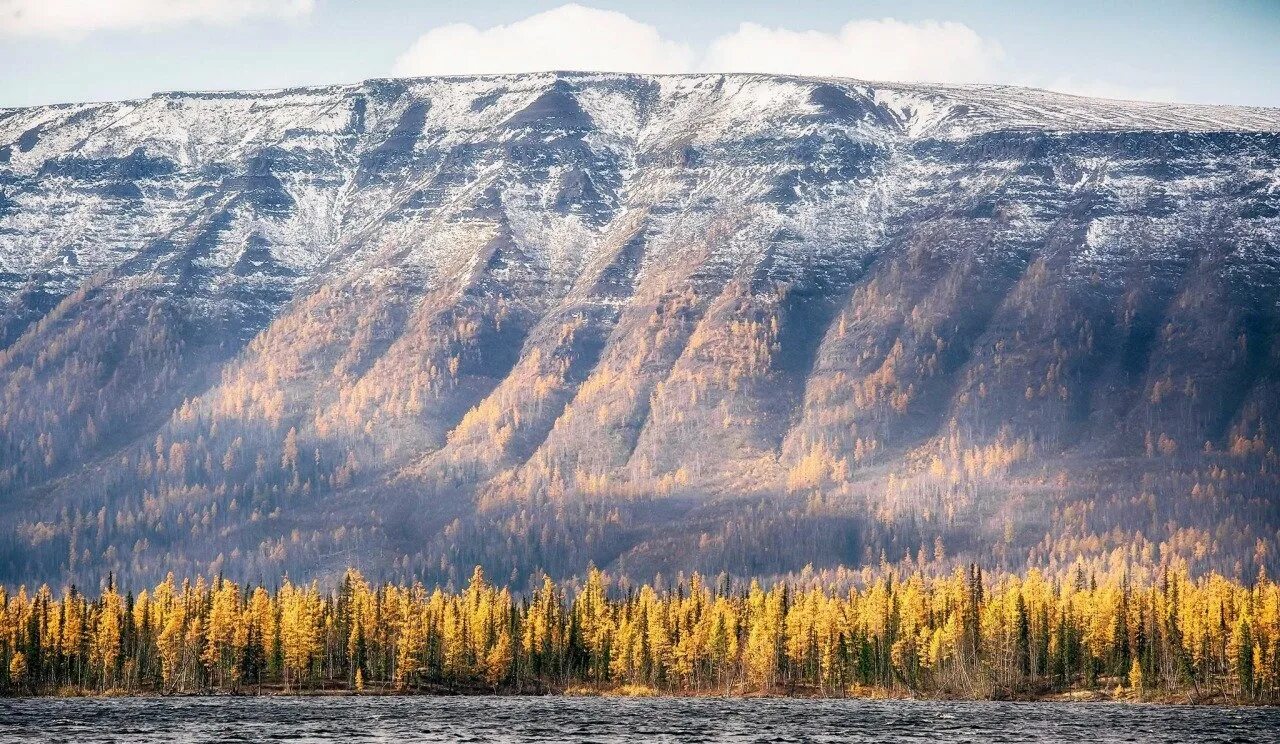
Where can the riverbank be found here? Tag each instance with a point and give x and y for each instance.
(1098, 695)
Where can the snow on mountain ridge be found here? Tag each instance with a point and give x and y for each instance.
(311, 171)
(996, 105)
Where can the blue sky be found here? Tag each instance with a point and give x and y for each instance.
(1199, 51)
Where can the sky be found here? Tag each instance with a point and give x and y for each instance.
(1196, 51)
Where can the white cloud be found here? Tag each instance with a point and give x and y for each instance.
(570, 37)
(75, 18)
(574, 37)
(885, 49)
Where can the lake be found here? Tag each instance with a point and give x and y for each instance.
(557, 719)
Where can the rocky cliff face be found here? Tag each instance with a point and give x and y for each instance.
(711, 322)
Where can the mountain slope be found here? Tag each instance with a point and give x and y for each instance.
(735, 322)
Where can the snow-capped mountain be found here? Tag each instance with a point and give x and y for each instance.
(734, 322)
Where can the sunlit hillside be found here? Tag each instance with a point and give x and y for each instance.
(718, 323)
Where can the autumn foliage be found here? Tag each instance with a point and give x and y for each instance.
(959, 634)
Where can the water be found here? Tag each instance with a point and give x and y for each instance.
(561, 719)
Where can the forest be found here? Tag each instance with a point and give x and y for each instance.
(1137, 632)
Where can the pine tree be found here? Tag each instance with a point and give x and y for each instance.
(252, 663)
(18, 672)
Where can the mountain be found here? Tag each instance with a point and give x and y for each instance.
(735, 323)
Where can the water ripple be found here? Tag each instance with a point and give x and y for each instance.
(498, 720)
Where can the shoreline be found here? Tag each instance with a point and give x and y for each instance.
(1187, 698)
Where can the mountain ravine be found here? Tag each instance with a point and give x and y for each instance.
(725, 323)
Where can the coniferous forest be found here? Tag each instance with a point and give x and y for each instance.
(1133, 633)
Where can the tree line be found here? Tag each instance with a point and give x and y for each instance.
(1149, 632)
